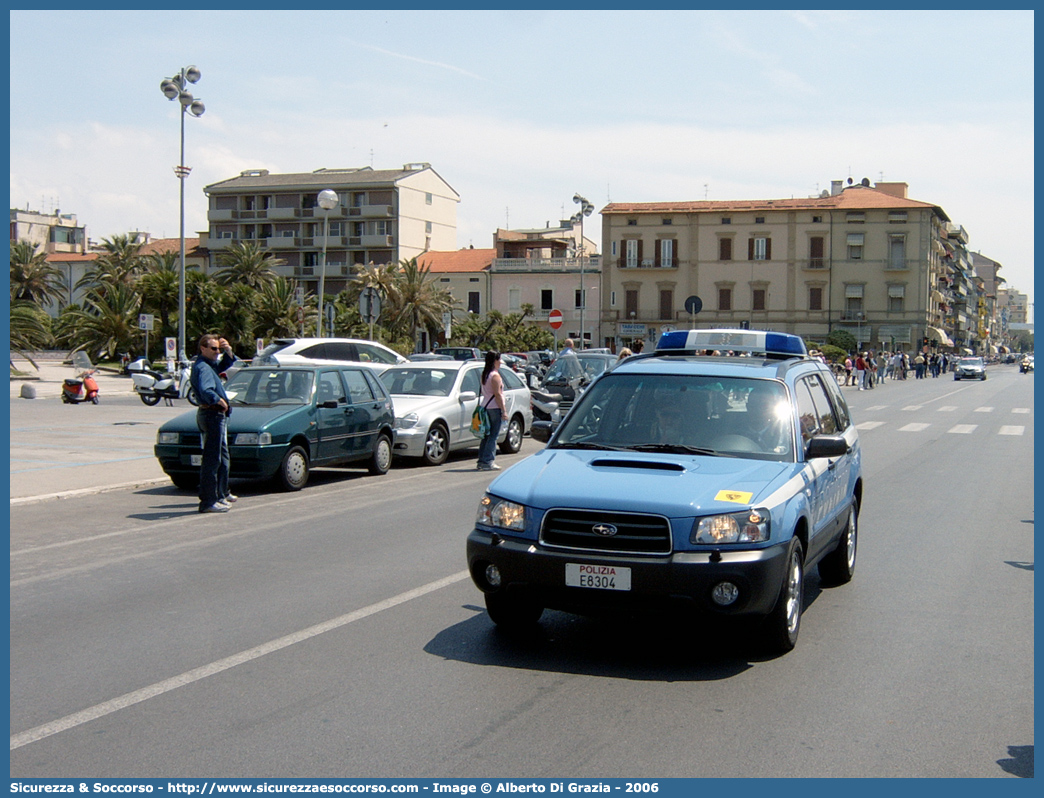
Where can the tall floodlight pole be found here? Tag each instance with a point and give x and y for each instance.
(176, 88)
(585, 210)
(327, 200)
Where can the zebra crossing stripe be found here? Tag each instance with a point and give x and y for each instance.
(984, 410)
(1011, 430)
(914, 427)
(963, 429)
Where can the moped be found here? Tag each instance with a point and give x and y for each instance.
(152, 385)
(80, 389)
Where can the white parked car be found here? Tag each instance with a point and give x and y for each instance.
(324, 351)
(434, 401)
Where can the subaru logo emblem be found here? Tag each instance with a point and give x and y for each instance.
(605, 530)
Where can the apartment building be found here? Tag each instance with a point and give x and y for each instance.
(465, 274)
(51, 232)
(382, 216)
(891, 270)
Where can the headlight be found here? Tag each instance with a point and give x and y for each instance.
(252, 438)
(167, 437)
(407, 421)
(501, 513)
(747, 526)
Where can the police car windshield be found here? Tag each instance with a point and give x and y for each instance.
(684, 414)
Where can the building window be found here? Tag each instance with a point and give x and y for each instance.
(473, 302)
(759, 248)
(815, 252)
(547, 299)
(815, 297)
(854, 310)
(855, 246)
(665, 253)
(724, 299)
(817, 219)
(855, 217)
(514, 299)
(310, 260)
(667, 221)
(427, 198)
(631, 303)
(896, 217)
(427, 227)
(897, 252)
(759, 220)
(726, 220)
(666, 304)
(724, 249)
(578, 298)
(309, 200)
(896, 295)
(633, 252)
(632, 222)
(757, 298)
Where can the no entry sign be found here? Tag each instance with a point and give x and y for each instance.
(554, 318)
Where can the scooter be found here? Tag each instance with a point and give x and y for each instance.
(152, 386)
(80, 389)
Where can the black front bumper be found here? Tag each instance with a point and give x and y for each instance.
(680, 580)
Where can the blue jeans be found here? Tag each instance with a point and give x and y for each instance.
(488, 447)
(213, 473)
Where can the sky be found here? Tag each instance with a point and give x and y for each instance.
(520, 110)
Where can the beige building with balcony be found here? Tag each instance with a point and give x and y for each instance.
(861, 258)
(382, 216)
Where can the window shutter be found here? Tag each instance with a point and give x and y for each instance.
(750, 249)
(768, 249)
(657, 247)
(640, 242)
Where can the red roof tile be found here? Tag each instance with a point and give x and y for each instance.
(461, 260)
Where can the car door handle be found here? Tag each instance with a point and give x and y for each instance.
(833, 464)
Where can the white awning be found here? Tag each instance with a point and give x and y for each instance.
(939, 335)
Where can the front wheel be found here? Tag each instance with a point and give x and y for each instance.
(185, 481)
(380, 460)
(293, 471)
(838, 567)
(436, 445)
(512, 613)
(781, 627)
(95, 400)
(150, 399)
(513, 439)
(192, 397)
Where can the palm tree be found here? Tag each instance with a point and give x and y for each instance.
(276, 309)
(120, 264)
(245, 263)
(108, 322)
(159, 288)
(33, 279)
(418, 302)
(30, 329)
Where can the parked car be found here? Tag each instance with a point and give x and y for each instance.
(708, 484)
(570, 374)
(286, 420)
(434, 403)
(317, 351)
(421, 356)
(460, 352)
(969, 368)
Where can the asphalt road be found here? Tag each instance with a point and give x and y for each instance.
(333, 632)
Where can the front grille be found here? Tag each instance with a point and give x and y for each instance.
(193, 439)
(635, 533)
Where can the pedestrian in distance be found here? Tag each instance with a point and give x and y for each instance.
(848, 370)
(860, 367)
(625, 353)
(492, 399)
(567, 347)
(215, 355)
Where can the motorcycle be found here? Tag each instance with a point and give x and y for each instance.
(80, 389)
(152, 386)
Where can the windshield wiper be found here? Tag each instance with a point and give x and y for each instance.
(673, 448)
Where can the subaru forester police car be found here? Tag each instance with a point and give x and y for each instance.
(709, 474)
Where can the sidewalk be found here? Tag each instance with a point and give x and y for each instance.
(47, 381)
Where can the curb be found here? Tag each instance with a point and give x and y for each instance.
(68, 494)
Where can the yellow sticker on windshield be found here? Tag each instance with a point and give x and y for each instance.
(735, 496)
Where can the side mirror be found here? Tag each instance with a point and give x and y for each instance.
(826, 446)
(467, 396)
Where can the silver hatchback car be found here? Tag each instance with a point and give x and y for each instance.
(434, 401)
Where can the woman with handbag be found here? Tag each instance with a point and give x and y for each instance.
(492, 401)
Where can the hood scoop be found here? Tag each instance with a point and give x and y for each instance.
(647, 464)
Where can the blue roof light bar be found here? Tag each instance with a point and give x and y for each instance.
(772, 344)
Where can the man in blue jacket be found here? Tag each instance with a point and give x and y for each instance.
(211, 419)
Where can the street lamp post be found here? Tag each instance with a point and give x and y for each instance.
(176, 88)
(327, 200)
(585, 210)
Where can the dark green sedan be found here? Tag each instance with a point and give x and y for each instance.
(285, 421)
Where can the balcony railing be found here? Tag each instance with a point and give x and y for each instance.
(566, 265)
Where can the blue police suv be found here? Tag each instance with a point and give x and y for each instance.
(709, 474)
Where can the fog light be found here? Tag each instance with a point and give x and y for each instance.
(724, 594)
(493, 575)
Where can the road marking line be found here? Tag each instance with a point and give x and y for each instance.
(877, 407)
(197, 674)
(1011, 430)
(963, 429)
(984, 410)
(914, 427)
(946, 409)
(913, 407)
(1020, 410)
(869, 425)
